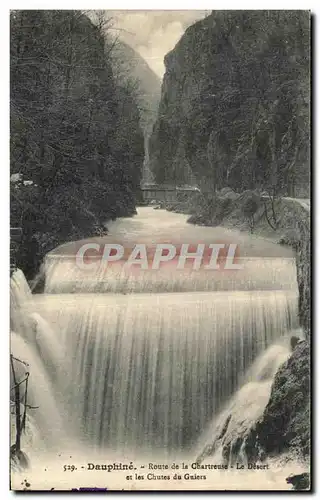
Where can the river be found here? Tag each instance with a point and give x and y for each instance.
(128, 368)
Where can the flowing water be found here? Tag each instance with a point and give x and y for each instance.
(147, 365)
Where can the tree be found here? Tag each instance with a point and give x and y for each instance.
(19, 401)
(75, 132)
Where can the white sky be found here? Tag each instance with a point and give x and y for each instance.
(154, 33)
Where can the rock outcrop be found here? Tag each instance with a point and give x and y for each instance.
(283, 427)
(233, 80)
(129, 65)
(303, 260)
(285, 424)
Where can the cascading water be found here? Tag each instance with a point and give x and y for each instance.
(227, 432)
(19, 289)
(146, 372)
(40, 394)
(153, 370)
(257, 274)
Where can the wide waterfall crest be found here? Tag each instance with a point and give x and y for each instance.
(153, 370)
(128, 371)
(62, 275)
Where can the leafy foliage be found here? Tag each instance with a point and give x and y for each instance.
(75, 132)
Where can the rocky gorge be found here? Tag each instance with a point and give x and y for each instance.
(234, 120)
(284, 427)
(214, 364)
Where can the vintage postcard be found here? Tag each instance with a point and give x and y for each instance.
(160, 250)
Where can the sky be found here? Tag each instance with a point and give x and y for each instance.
(154, 33)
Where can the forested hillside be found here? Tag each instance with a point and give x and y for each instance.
(76, 142)
(129, 65)
(234, 108)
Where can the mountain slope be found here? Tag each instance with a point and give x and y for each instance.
(130, 66)
(234, 108)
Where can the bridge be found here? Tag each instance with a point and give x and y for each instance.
(166, 193)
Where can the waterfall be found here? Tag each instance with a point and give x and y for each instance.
(118, 363)
(19, 289)
(20, 295)
(152, 370)
(228, 430)
(45, 414)
(63, 276)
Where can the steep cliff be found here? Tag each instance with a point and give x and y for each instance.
(234, 106)
(129, 63)
(303, 261)
(130, 66)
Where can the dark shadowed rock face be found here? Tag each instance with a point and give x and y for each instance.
(297, 236)
(222, 70)
(285, 424)
(303, 260)
(129, 64)
(282, 427)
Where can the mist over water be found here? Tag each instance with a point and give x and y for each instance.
(152, 373)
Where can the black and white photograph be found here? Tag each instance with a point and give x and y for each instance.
(160, 250)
